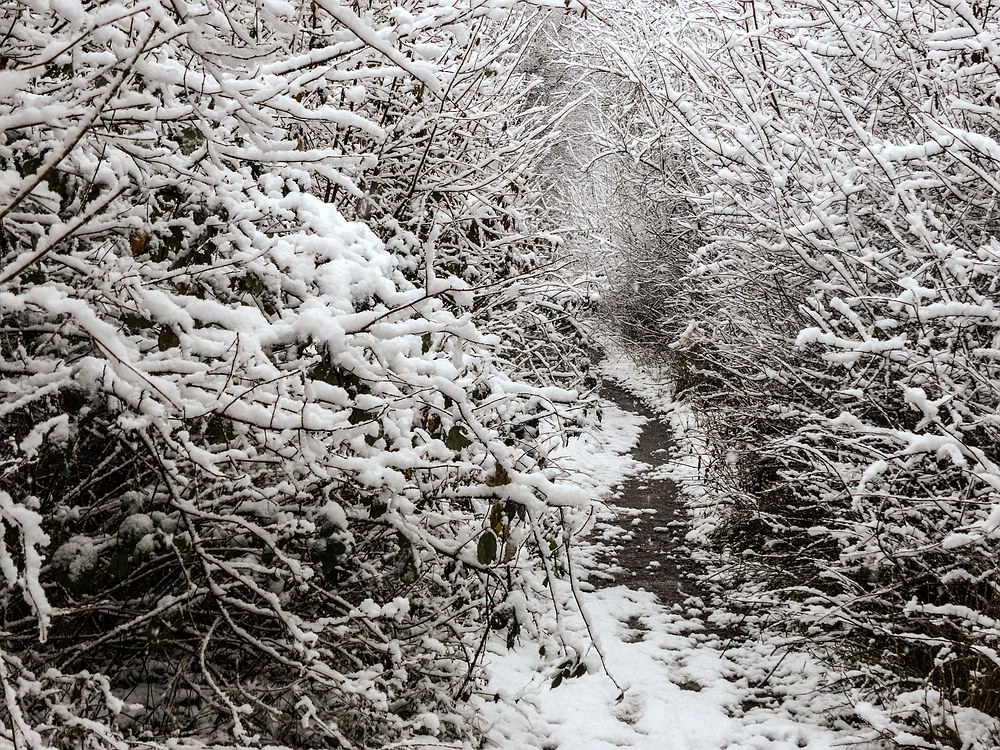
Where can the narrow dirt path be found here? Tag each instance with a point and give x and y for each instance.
(652, 554)
(662, 672)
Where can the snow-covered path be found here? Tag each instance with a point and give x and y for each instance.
(657, 676)
(647, 530)
(677, 691)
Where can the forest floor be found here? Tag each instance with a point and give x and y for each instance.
(667, 668)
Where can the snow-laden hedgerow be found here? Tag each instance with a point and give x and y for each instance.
(270, 460)
(837, 325)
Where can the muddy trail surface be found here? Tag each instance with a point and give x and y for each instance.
(649, 551)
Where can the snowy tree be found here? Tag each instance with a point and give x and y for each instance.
(837, 323)
(271, 462)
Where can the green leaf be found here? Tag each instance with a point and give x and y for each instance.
(334, 375)
(515, 510)
(486, 550)
(167, 339)
(360, 415)
(456, 439)
(498, 478)
(510, 550)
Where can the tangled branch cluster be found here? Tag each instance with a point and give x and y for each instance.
(269, 460)
(836, 323)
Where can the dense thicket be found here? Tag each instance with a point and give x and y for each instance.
(273, 455)
(836, 324)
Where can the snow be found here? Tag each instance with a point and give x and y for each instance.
(27, 522)
(664, 687)
(655, 677)
(222, 373)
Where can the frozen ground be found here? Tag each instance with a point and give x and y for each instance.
(677, 678)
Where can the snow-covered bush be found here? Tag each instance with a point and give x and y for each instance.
(845, 359)
(268, 465)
